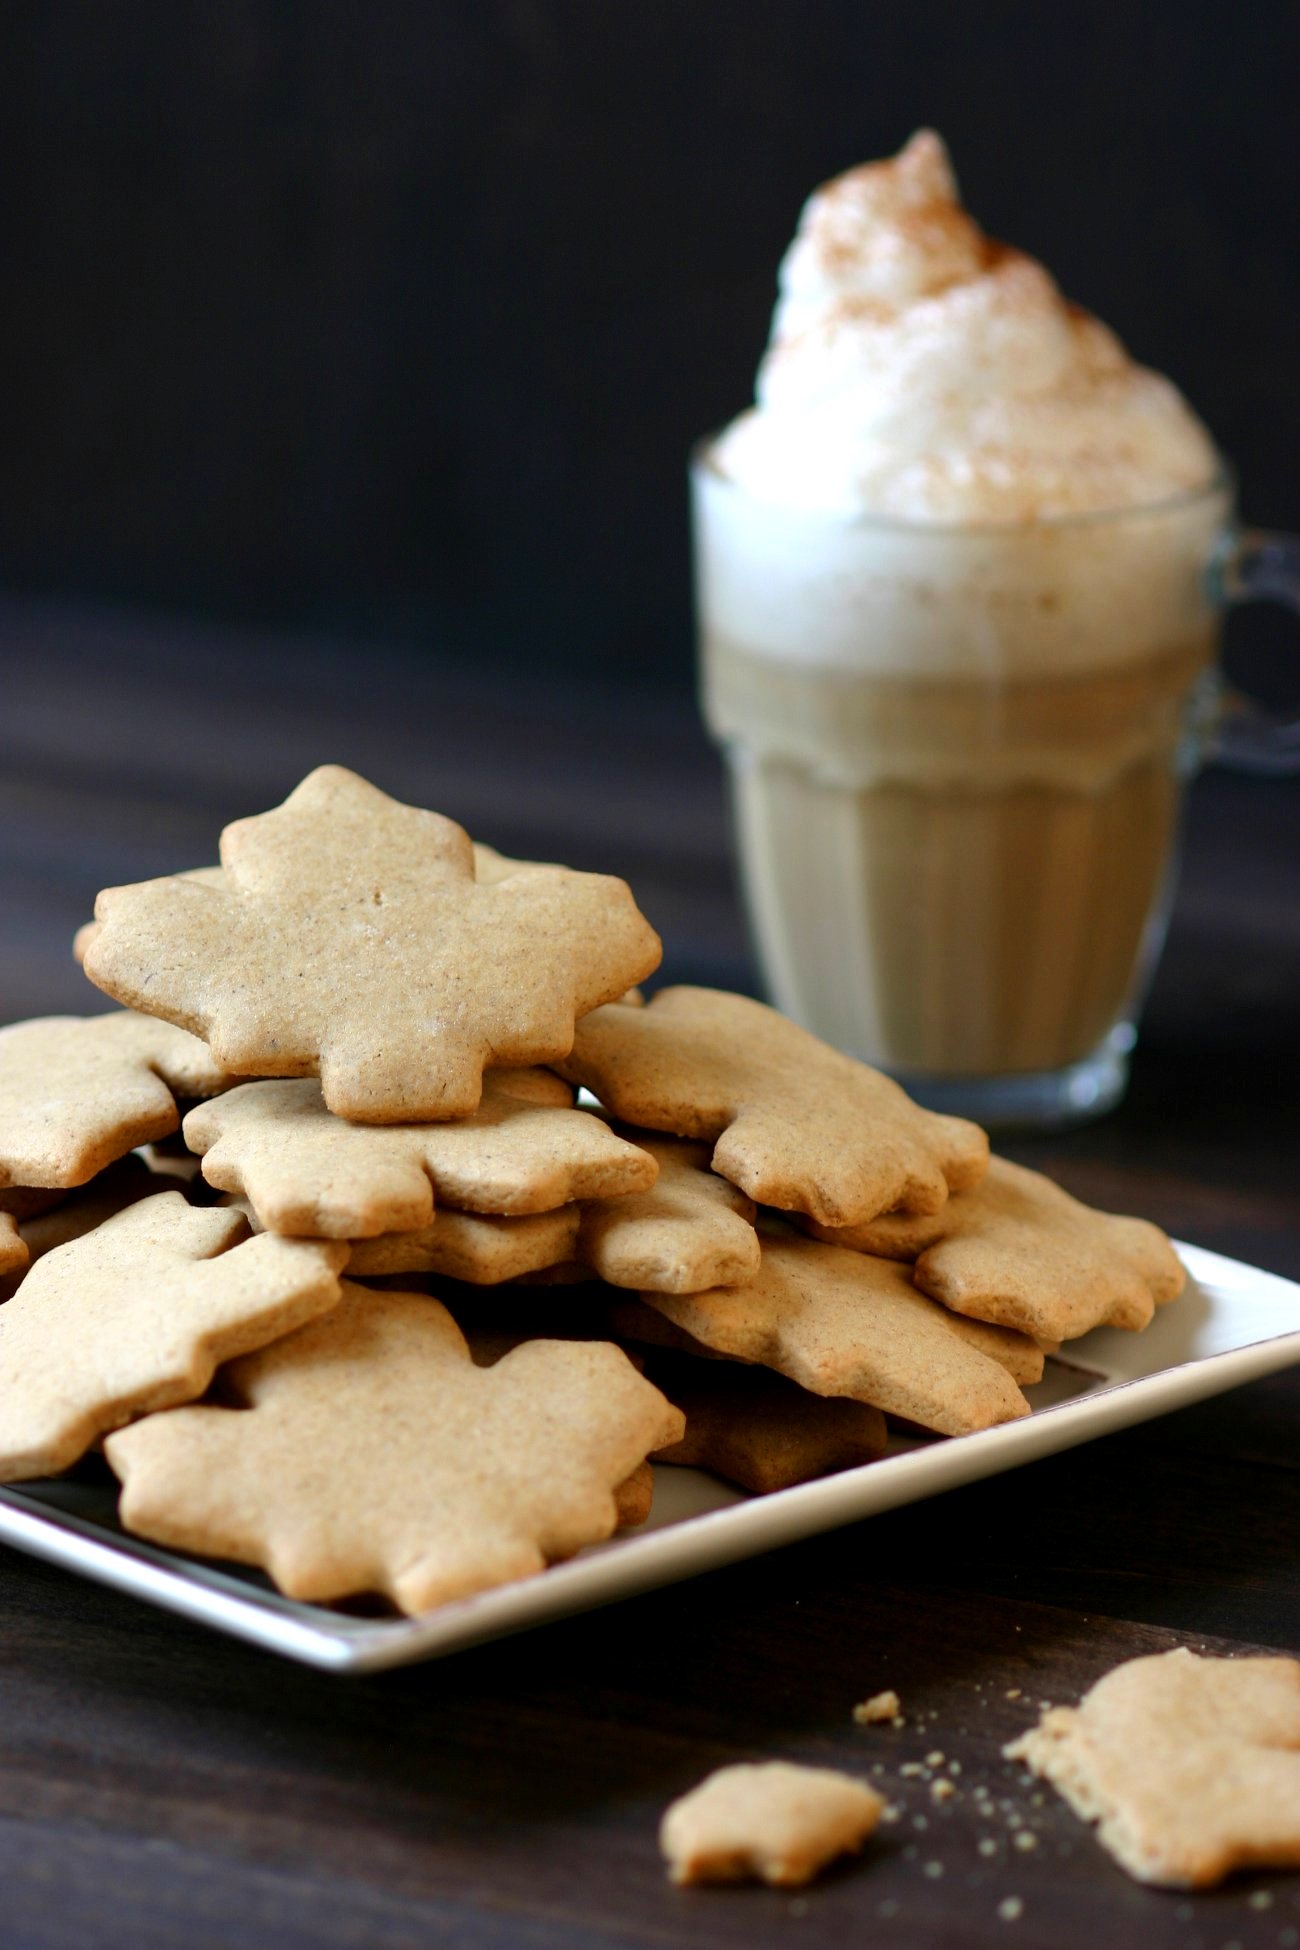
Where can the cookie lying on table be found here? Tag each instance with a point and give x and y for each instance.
(1190, 1766)
(775, 1822)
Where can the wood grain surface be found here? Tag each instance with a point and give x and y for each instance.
(162, 1786)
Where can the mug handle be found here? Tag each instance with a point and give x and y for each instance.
(1254, 566)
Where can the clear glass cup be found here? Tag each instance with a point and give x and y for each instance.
(957, 757)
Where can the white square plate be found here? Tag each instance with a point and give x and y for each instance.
(1232, 1325)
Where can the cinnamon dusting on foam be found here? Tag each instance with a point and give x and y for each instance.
(922, 369)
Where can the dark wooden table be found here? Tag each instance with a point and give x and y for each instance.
(163, 1786)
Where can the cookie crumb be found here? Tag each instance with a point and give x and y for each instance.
(987, 1845)
(1012, 1692)
(934, 1870)
(1261, 1899)
(1010, 1909)
(942, 1790)
(881, 1706)
(911, 1770)
(1026, 1840)
(935, 1759)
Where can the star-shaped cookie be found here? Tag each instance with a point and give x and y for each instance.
(305, 1171)
(137, 1315)
(351, 941)
(76, 1092)
(840, 1323)
(371, 1454)
(690, 1230)
(796, 1124)
(1191, 1766)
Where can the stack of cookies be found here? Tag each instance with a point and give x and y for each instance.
(382, 1031)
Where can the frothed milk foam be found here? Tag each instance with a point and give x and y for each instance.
(954, 627)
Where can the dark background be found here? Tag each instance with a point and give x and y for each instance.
(396, 320)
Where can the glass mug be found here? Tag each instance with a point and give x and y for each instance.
(957, 756)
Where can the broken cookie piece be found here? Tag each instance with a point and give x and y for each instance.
(774, 1822)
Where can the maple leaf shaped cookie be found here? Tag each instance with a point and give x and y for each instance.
(840, 1323)
(350, 940)
(373, 1455)
(796, 1124)
(1191, 1766)
(690, 1230)
(109, 1192)
(135, 1316)
(76, 1092)
(305, 1171)
(1018, 1250)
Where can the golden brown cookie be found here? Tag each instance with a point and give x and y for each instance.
(135, 1316)
(1190, 1766)
(351, 941)
(124, 1183)
(690, 1230)
(840, 1323)
(776, 1822)
(477, 1247)
(892, 1235)
(371, 1454)
(1020, 1251)
(309, 1173)
(794, 1123)
(76, 1092)
(758, 1429)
